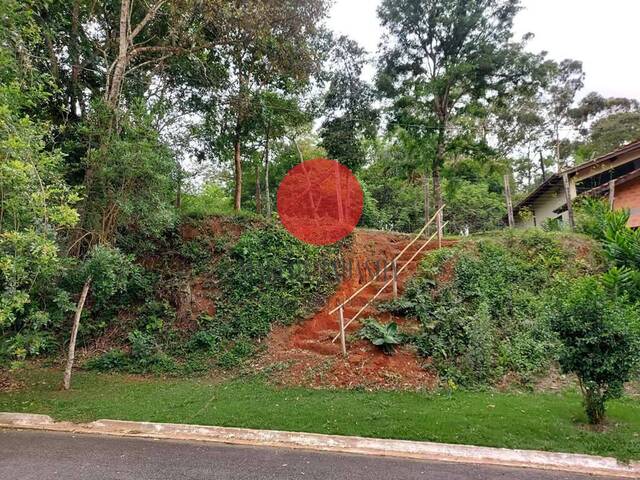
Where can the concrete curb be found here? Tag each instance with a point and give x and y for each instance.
(334, 443)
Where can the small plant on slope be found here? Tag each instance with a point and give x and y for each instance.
(384, 336)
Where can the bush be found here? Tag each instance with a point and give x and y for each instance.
(210, 201)
(114, 359)
(591, 215)
(241, 350)
(384, 336)
(481, 303)
(600, 336)
(270, 276)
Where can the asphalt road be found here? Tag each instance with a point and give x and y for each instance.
(26, 455)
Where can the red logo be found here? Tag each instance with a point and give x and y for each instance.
(320, 201)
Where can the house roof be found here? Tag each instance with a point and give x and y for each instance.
(556, 178)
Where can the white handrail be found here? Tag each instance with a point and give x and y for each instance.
(343, 328)
(384, 269)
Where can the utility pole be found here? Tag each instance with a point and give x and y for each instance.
(568, 199)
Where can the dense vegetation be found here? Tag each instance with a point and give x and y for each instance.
(262, 277)
(519, 302)
(122, 122)
(482, 304)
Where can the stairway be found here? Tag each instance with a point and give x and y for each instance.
(317, 333)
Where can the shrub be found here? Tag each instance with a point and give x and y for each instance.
(114, 359)
(233, 357)
(600, 336)
(480, 303)
(621, 243)
(384, 336)
(270, 276)
(591, 215)
(203, 340)
(210, 201)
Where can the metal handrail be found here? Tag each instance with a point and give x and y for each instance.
(355, 317)
(395, 259)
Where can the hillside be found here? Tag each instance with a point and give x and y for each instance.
(227, 290)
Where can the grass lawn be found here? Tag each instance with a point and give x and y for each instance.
(515, 420)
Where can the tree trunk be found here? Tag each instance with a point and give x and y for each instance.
(237, 164)
(427, 202)
(74, 334)
(266, 173)
(437, 188)
(542, 168)
(258, 193)
(115, 79)
(74, 95)
(179, 188)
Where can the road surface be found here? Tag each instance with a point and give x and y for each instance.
(31, 455)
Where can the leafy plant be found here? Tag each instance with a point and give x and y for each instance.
(600, 336)
(386, 336)
(270, 276)
(481, 303)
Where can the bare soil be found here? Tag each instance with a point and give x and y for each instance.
(306, 353)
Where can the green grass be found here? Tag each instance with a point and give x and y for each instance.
(551, 422)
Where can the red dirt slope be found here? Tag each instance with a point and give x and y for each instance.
(307, 349)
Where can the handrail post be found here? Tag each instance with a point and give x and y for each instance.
(439, 227)
(395, 278)
(343, 340)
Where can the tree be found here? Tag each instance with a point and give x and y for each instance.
(36, 203)
(565, 80)
(600, 337)
(351, 117)
(605, 124)
(261, 45)
(442, 57)
(277, 115)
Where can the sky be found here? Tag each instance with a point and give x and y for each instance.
(603, 34)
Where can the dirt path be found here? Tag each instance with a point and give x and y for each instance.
(307, 349)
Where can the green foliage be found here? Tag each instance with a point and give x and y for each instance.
(600, 336)
(349, 105)
(390, 201)
(240, 351)
(36, 203)
(384, 336)
(212, 200)
(622, 281)
(474, 206)
(271, 277)
(131, 176)
(621, 243)
(480, 303)
(591, 217)
(113, 360)
(145, 355)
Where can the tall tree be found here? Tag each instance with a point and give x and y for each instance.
(565, 80)
(351, 117)
(605, 124)
(264, 45)
(441, 57)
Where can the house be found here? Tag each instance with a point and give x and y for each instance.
(615, 176)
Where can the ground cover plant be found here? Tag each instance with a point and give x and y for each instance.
(482, 305)
(262, 277)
